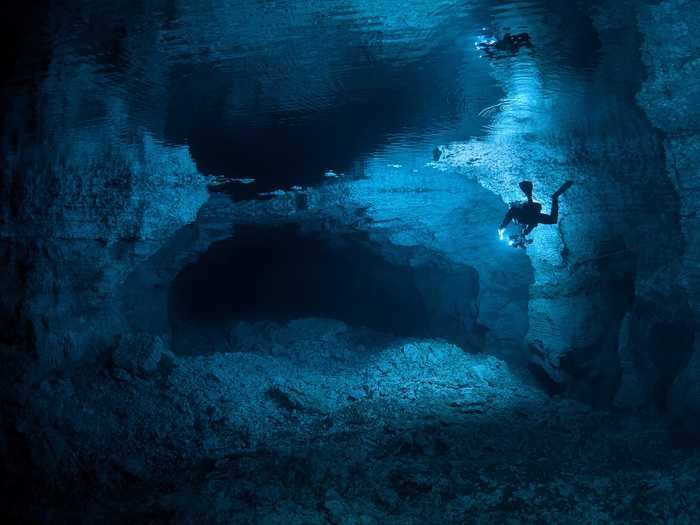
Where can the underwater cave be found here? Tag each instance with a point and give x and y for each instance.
(280, 273)
(350, 262)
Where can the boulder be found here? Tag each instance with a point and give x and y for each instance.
(141, 354)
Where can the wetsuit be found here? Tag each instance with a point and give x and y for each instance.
(529, 214)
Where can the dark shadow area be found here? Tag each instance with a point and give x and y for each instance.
(542, 379)
(280, 273)
(378, 100)
(594, 371)
(671, 345)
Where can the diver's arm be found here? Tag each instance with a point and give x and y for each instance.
(506, 219)
(504, 223)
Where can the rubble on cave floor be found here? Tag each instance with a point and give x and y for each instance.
(315, 422)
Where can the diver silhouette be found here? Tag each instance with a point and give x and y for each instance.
(529, 214)
(509, 44)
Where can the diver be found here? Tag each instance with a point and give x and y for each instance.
(509, 43)
(529, 214)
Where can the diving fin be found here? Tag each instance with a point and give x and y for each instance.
(563, 188)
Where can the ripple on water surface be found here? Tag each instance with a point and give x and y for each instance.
(282, 92)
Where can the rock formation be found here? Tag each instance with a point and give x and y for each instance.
(349, 350)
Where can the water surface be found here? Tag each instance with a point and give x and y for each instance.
(282, 92)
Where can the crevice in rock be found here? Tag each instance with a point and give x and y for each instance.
(671, 345)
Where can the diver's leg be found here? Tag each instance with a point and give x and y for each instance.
(554, 213)
(543, 218)
(553, 216)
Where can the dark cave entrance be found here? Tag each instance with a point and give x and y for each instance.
(282, 273)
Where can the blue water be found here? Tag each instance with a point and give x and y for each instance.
(281, 92)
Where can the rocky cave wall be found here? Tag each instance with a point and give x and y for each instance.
(669, 97)
(80, 211)
(98, 220)
(610, 310)
(97, 208)
(106, 210)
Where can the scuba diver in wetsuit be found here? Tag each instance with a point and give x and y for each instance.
(509, 44)
(529, 214)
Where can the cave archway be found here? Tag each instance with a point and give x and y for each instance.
(281, 273)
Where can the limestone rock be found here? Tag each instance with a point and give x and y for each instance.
(141, 354)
